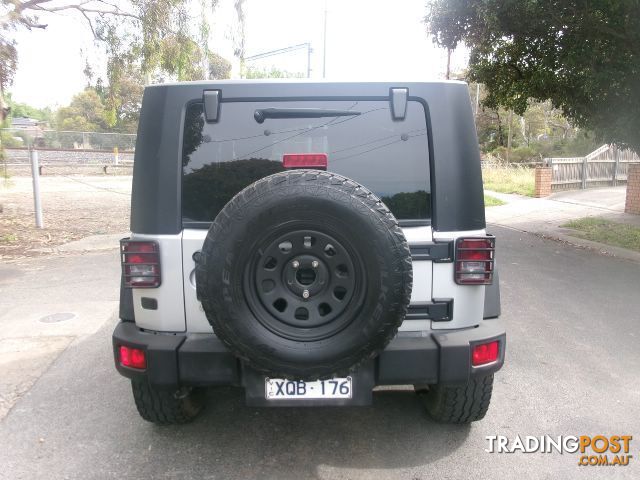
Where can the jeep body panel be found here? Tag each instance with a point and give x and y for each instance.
(456, 193)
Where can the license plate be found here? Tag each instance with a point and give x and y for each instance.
(280, 389)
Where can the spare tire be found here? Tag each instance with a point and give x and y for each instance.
(305, 275)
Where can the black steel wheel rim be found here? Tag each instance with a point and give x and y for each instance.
(305, 285)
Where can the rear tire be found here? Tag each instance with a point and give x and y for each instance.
(166, 407)
(458, 404)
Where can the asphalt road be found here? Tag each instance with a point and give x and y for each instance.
(573, 367)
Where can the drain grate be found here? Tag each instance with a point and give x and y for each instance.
(57, 317)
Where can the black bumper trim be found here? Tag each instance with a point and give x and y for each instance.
(438, 356)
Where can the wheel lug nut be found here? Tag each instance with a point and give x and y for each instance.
(295, 264)
(315, 264)
(305, 294)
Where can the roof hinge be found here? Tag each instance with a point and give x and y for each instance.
(211, 100)
(398, 98)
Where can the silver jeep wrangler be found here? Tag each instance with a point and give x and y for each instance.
(308, 242)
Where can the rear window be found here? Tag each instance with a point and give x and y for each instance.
(388, 157)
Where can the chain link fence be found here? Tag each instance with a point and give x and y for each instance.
(66, 140)
(67, 152)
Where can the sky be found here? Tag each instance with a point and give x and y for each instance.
(367, 40)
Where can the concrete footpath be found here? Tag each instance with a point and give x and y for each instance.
(545, 216)
(47, 304)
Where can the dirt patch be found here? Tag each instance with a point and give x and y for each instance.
(73, 207)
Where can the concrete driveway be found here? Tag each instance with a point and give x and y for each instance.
(573, 368)
(606, 198)
(547, 216)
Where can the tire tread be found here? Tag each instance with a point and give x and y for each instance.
(162, 407)
(459, 403)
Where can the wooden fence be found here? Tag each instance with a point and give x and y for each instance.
(606, 166)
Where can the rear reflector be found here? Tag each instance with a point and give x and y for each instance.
(132, 357)
(474, 260)
(140, 263)
(485, 353)
(305, 160)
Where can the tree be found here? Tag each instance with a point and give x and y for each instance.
(253, 72)
(24, 110)
(153, 36)
(86, 113)
(219, 67)
(126, 98)
(583, 55)
(8, 64)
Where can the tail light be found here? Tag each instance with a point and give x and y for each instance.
(485, 353)
(305, 160)
(132, 357)
(474, 260)
(140, 263)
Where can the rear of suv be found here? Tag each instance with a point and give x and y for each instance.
(308, 242)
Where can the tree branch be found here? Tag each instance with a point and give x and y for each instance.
(21, 9)
(93, 30)
(29, 23)
(85, 10)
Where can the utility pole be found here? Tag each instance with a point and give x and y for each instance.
(35, 176)
(324, 43)
(477, 98)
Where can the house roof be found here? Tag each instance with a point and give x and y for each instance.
(25, 122)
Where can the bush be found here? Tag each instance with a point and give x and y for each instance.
(579, 146)
(12, 140)
(517, 155)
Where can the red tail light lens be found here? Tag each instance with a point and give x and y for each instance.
(140, 263)
(474, 260)
(133, 357)
(485, 353)
(305, 160)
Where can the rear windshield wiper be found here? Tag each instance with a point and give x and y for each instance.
(262, 114)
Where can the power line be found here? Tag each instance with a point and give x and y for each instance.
(379, 147)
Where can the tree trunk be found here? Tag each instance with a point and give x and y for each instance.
(500, 131)
(448, 74)
(509, 137)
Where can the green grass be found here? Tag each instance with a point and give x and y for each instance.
(490, 201)
(8, 238)
(608, 232)
(510, 179)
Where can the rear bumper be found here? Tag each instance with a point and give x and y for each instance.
(411, 358)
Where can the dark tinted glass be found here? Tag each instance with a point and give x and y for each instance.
(388, 157)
